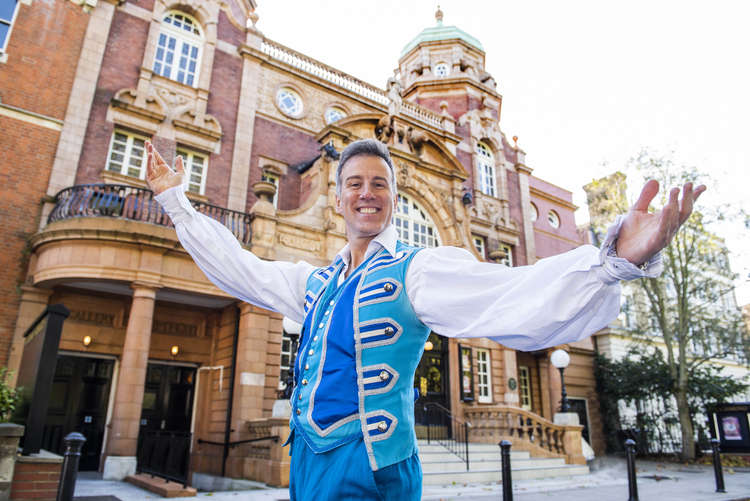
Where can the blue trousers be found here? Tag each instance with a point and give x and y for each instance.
(344, 473)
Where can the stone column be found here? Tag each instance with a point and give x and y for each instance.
(528, 227)
(246, 107)
(126, 415)
(33, 303)
(510, 370)
(252, 346)
(80, 101)
(554, 388)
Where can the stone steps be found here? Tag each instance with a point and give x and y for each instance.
(441, 467)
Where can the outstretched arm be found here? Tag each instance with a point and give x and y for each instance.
(274, 285)
(643, 234)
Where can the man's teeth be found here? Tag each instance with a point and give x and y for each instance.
(367, 210)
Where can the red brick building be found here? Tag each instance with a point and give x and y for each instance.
(258, 123)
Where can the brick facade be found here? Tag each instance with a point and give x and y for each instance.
(36, 479)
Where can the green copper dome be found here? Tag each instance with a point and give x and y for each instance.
(440, 32)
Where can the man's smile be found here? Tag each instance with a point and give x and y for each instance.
(367, 210)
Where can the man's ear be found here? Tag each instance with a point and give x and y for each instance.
(339, 209)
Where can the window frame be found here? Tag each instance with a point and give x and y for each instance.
(182, 38)
(125, 166)
(330, 109)
(189, 155)
(482, 247)
(487, 173)
(406, 232)
(466, 372)
(508, 255)
(273, 178)
(11, 22)
(534, 212)
(299, 113)
(524, 387)
(293, 342)
(484, 369)
(552, 214)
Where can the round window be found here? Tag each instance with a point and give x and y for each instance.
(289, 102)
(441, 70)
(553, 219)
(334, 114)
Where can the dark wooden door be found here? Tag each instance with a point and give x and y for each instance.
(431, 382)
(78, 402)
(168, 398)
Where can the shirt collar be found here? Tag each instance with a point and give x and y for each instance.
(386, 239)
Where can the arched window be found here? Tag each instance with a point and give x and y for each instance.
(553, 219)
(413, 224)
(333, 114)
(289, 102)
(486, 168)
(179, 48)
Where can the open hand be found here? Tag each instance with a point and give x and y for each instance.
(643, 234)
(160, 176)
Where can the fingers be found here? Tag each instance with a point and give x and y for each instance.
(687, 202)
(649, 191)
(179, 165)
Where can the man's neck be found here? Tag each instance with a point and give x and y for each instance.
(358, 249)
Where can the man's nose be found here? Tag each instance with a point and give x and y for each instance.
(366, 191)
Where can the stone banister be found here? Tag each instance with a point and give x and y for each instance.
(526, 431)
(348, 82)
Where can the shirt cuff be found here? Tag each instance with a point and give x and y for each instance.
(176, 204)
(619, 268)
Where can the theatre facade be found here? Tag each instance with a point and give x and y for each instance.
(150, 345)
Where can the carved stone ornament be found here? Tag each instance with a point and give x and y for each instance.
(264, 191)
(299, 242)
(127, 100)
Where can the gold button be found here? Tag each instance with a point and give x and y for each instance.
(383, 375)
(311, 352)
(299, 412)
(320, 325)
(327, 312)
(307, 366)
(331, 302)
(389, 331)
(388, 287)
(315, 338)
(304, 382)
(383, 426)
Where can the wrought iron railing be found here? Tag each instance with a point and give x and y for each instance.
(165, 454)
(445, 429)
(137, 204)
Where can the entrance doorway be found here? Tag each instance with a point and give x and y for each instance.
(78, 402)
(431, 383)
(580, 407)
(168, 398)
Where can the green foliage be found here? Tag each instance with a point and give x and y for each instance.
(9, 397)
(642, 379)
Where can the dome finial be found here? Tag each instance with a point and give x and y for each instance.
(439, 15)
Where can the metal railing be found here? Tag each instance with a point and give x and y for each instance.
(446, 429)
(165, 454)
(137, 204)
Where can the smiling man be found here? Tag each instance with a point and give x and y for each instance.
(367, 316)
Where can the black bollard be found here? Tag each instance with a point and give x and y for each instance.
(507, 481)
(718, 472)
(73, 444)
(632, 483)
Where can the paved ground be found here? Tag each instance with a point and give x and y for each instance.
(656, 482)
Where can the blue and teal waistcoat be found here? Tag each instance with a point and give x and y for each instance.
(360, 346)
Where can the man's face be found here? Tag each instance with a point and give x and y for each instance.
(366, 199)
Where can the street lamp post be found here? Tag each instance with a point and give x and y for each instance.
(561, 359)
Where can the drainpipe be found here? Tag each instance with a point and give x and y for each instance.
(228, 428)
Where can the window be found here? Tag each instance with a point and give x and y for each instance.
(334, 114)
(413, 224)
(8, 9)
(178, 49)
(484, 386)
(467, 374)
(127, 154)
(289, 102)
(524, 387)
(195, 170)
(486, 167)
(534, 212)
(479, 245)
(507, 259)
(269, 177)
(553, 219)
(441, 70)
(286, 364)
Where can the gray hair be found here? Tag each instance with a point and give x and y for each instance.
(369, 147)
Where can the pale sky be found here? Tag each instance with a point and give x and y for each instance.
(585, 84)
